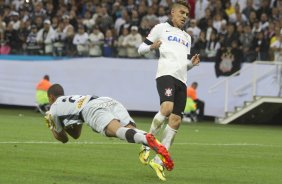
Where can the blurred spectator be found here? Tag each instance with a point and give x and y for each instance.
(263, 24)
(50, 12)
(228, 60)
(200, 46)
(200, 105)
(15, 21)
(276, 46)
(242, 4)
(194, 29)
(218, 9)
(151, 16)
(132, 42)
(31, 41)
(12, 40)
(230, 36)
(44, 38)
(39, 22)
(70, 48)
(108, 47)
(41, 96)
(66, 21)
(237, 17)
(261, 47)
(229, 10)
(145, 27)
(121, 21)
(275, 14)
(200, 8)
(203, 22)
(162, 16)
(248, 9)
(59, 41)
(192, 4)
(96, 39)
(135, 20)
(217, 22)
(104, 21)
(121, 49)
(210, 29)
(81, 41)
(246, 39)
(212, 47)
(117, 10)
(264, 8)
(39, 11)
(252, 18)
(88, 22)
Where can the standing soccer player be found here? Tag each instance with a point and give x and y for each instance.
(174, 45)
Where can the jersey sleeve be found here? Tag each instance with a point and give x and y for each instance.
(54, 120)
(190, 44)
(155, 33)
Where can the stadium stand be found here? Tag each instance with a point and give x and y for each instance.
(66, 27)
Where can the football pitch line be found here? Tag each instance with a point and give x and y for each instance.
(124, 143)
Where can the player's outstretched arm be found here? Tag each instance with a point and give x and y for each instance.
(60, 136)
(147, 46)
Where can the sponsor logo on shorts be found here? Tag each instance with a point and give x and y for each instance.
(168, 92)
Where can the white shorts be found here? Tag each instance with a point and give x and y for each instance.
(98, 113)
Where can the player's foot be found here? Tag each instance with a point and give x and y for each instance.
(144, 154)
(159, 169)
(155, 145)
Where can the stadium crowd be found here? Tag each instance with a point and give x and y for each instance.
(115, 28)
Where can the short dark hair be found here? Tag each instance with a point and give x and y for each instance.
(181, 2)
(195, 83)
(56, 90)
(46, 77)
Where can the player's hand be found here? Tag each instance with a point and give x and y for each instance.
(48, 120)
(156, 45)
(195, 59)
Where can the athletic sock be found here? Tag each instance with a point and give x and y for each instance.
(131, 136)
(168, 136)
(157, 123)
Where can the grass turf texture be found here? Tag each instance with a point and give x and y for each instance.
(204, 153)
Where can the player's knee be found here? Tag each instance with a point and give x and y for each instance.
(129, 135)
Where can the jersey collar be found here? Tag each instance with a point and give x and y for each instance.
(170, 23)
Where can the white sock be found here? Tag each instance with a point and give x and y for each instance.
(168, 136)
(157, 123)
(140, 131)
(131, 136)
(167, 140)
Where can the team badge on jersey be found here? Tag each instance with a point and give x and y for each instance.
(168, 92)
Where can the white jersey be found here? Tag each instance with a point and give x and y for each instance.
(66, 110)
(174, 50)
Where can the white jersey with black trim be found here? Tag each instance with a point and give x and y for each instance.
(65, 110)
(174, 50)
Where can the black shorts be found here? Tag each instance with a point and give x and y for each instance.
(172, 90)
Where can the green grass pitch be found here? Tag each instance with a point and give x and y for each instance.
(204, 153)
